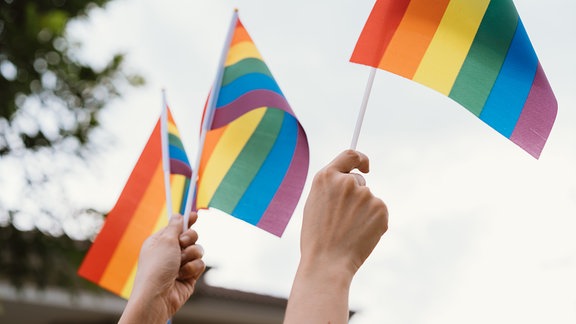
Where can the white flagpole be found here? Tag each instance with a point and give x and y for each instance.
(165, 153)
(208, 116)
(363, 109)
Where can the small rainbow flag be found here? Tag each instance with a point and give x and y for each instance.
(139, 212)
(179, 163)
(255, 157)
(175, 163)
(476, 52)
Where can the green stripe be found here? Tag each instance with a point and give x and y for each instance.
(245, 66)
(249, 161)
(182, 207)
(487, 53)
(175, 141)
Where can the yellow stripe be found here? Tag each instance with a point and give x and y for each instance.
(125, 255)
(172, 129)
(177, 183)
(225, 153)
(162, 221)
(127, 290)
(241, 51)
(450, 45)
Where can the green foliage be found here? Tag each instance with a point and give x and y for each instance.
(38, 67)
(34, 258)
(49, 105)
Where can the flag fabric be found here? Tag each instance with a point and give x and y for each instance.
(476, 52)
(179, 163)
(255, 157)
(139, 212)
(180, 169)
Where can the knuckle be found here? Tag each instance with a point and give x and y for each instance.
(382, 212)
(351, 154)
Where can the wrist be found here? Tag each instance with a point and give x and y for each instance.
(146, 308)
(319, 293)
(334, 274)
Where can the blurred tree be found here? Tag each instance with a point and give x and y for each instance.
(32, 257)
(49, 101)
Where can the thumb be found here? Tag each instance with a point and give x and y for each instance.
(174, 226)
(350, 160)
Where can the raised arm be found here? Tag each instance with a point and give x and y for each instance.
(170, 262)
(343, 222)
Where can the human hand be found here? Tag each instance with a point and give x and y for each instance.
(343, 221)
(169, 265)
(342, 224)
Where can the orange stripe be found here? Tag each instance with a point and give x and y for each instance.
(413, 37)
(212, 138)
(127, 289)
(141, 226)
(240, 35)
(101, 251)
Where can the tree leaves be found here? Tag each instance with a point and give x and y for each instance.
(49, 99)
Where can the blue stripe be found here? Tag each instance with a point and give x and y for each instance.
(175, 153)
(184, 196)
(261, 191)
(245, 84)
(509, 94)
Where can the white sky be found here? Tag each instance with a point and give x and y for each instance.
(479, 230)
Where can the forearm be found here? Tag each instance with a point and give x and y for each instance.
(140, 310)
(319, 295)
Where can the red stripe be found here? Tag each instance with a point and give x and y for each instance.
(101, 251)
(142, 223)
(378, 31)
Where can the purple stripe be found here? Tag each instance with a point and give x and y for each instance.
(249, 101)
(279, 212)
(179, 167)
(537, 118)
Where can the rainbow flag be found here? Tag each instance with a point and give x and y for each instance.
(178, 164)
(476, 52)
(139, 212)
(255, 158)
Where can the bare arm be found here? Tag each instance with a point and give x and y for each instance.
(342, 224)
(170, 263)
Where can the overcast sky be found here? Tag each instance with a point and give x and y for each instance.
(480, 232)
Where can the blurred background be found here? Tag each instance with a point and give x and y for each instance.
(479, 230)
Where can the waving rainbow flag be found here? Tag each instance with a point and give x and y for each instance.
(177, 169)
(255, 157)
(139, 212)
(179, 163)
(476, 52)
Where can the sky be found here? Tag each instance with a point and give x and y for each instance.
(479, 230)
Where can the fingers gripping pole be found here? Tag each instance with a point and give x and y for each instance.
(362, 111)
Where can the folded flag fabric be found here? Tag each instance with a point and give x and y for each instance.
(179, 163)
(180, 169)
(139, 212)
(255, 157)
(476, 52)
